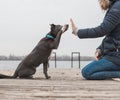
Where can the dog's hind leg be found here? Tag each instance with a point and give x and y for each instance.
(27, 73)
(45, 69)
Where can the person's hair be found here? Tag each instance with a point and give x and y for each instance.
(105, 4)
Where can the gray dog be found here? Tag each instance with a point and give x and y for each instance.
(40, 54)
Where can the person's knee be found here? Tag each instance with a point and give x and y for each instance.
(89, 70)
(85, 73)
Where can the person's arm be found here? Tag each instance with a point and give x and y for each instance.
(111, 20)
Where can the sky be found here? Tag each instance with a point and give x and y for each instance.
(24, 22)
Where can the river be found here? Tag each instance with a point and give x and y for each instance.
(12, 65)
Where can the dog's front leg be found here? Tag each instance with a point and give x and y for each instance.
(55, 43)
(45, 68)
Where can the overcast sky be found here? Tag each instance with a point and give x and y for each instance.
(24, 22)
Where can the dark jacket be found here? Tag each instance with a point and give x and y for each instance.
(110, 28)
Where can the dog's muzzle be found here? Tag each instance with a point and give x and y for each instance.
(65, 28)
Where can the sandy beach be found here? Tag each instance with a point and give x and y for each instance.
(65, 84)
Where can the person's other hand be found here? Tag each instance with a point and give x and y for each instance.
(74, 28)
(97, 54)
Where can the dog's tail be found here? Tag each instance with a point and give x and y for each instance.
(6, 76)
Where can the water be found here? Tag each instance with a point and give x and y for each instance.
(12, 65)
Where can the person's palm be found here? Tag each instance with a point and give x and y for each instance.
(72, 24)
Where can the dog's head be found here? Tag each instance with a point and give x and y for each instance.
(56, 28)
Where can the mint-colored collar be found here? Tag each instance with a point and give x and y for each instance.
(49, 36)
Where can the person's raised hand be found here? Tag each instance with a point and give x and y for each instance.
(73, 27)
(72, 24)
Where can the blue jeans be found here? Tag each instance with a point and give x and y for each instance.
(100, 70)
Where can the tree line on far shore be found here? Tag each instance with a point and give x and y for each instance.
(59, 58)
(11, 57)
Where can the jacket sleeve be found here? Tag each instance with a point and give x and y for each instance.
(111, 20)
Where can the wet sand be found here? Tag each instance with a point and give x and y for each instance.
(65, 84)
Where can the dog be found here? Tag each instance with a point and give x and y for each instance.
(40, 54)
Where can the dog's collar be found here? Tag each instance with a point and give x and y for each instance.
(50, 36)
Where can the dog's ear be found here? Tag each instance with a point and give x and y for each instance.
(52, 26)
